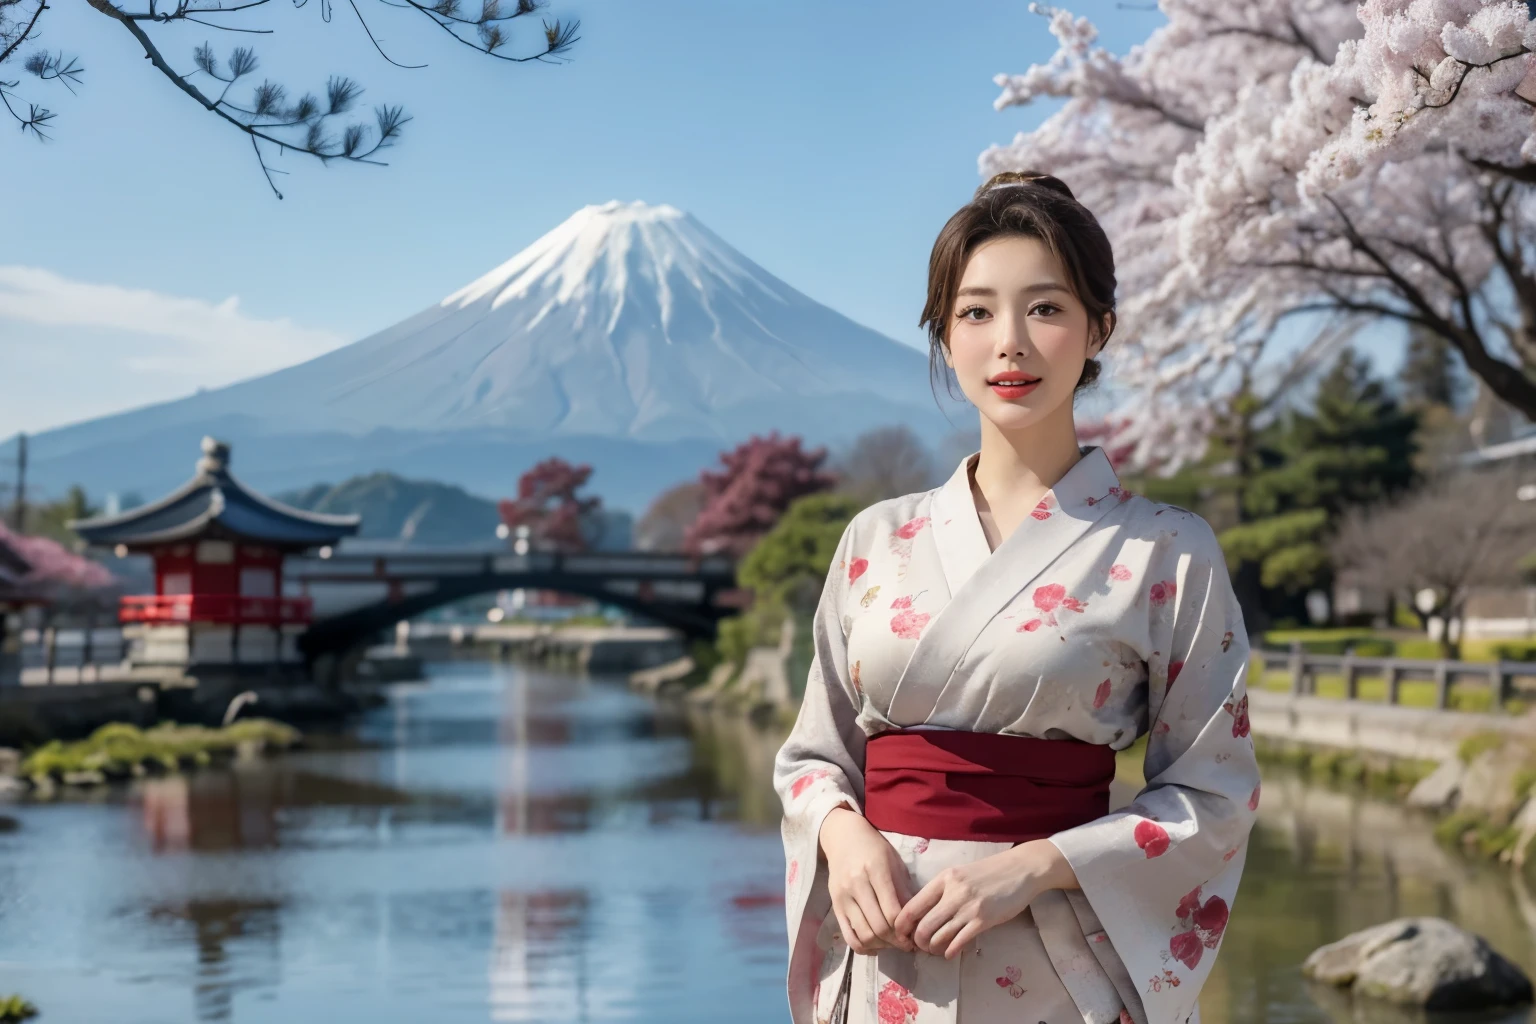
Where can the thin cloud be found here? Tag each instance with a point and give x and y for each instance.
(214, 342)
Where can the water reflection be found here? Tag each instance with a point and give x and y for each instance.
(510, 846)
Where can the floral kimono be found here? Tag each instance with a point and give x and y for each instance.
(1103, 617)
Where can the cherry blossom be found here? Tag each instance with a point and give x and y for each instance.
(1314, 163)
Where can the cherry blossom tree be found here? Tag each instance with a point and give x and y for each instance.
(547, 503)
(1283, 169)
(743, 501)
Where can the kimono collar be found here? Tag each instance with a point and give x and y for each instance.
(962, 544)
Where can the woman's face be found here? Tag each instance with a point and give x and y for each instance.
(1017, 335)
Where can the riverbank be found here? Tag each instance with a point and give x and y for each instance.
(122, 751)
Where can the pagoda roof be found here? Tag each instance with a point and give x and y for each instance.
(215, 503)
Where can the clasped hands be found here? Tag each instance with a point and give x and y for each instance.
(870, 890)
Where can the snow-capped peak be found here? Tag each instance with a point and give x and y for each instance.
(599, 250)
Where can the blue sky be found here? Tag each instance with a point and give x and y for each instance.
(828, 142)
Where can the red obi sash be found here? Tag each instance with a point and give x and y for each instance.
(941, 784)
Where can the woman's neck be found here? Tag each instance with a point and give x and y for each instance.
(1015, 470)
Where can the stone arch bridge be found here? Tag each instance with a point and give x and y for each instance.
(358, 594)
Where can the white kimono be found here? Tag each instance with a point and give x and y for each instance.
(1104, 616)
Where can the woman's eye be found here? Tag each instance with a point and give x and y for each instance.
(972, 309)
(1050, 307)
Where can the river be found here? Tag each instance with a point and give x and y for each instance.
(499, 844)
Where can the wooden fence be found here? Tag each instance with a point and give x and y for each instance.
(1304, 668)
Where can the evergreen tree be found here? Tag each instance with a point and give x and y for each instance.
(1432, 373)
(1354, 446)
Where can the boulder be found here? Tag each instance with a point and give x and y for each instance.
(1488, 787)
(1438, 790)
(10, 761)
(1421, 961)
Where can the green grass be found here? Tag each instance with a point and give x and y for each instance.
(1398, 643)
(119, 749)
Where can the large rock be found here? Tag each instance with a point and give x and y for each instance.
(1438, 790)
(10, 761)
(1421, 961)
(1488, 786)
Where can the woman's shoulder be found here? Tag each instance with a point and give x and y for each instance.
(891, 514)
(1173, 529)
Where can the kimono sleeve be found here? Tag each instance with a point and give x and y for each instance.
(1161, 873)
(820, 767)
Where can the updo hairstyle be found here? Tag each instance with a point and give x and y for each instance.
(1034, 205)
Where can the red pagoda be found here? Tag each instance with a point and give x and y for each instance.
(218, 549)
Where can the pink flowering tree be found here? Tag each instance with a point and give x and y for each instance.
(744, 499)
(54, 572)
(1307, 165)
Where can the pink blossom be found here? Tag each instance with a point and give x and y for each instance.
(1101, 694)
(896, 1005)
(909, 624)
(909, 529)
(1151, 837)
(856, 569)
(1163, 592)
(1119, 573)
(1186, 947)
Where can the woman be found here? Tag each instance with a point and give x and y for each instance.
(981, 650)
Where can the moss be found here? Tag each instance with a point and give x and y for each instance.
(119, 750)
(14, 1009)
(1478, 743)
(1454, 827)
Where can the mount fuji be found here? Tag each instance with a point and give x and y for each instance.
(631, 337)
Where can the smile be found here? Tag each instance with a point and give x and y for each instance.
(1012, 384)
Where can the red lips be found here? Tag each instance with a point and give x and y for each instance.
(1012, 384)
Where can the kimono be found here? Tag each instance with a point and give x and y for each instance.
(1103, 617)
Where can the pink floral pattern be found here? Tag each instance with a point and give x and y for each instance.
(1101, 695)
(1119, 573)
(1207, 920)
(1239, 713)
(921, 846)
(1253, 799)
(857, 568)
(906, 623)
(1163, 592)
(1043, 510)
(1174, 668)
(793, 873)
(1010, 981)
(805, 781)
(896, 1005)
(1151, 837)
(1048, 599)
(909, 529)
(853, 677)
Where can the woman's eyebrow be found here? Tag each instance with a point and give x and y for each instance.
(1039, 286)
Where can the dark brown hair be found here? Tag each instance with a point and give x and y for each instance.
(1034, 205)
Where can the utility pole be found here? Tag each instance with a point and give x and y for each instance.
(19, 513)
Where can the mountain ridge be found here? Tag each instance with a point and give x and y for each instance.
(627, 323)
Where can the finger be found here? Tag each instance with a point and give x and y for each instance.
(918, 906)
(969, 932)
(863, 937)
(843, 926)
(875, 910)
(939, 941)
(901, 880)
(932, 921)
(890, 904)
